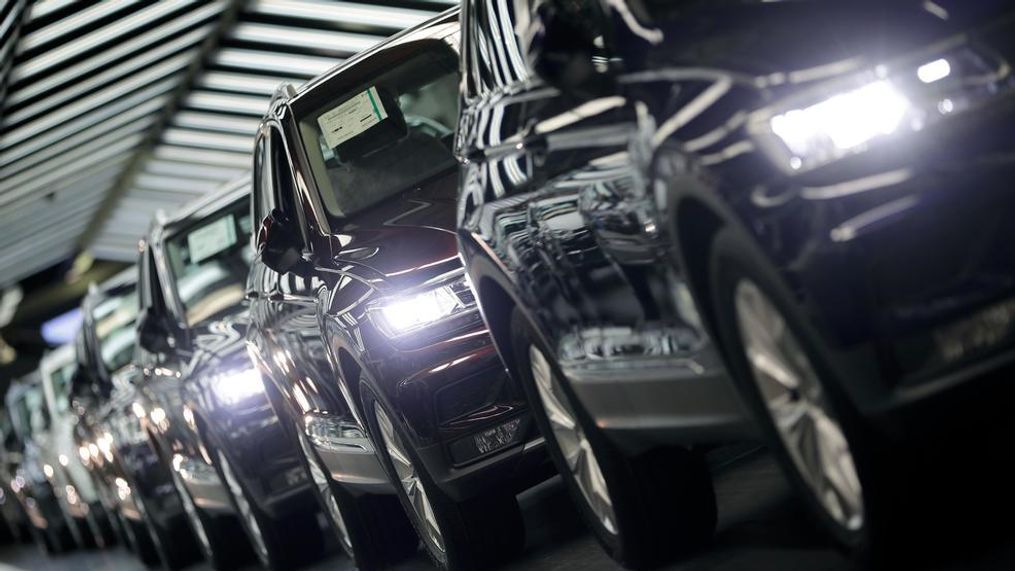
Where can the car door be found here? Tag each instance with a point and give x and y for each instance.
(287, 338)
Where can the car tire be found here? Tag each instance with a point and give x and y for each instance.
(221, 539)
(279, 544)
(478, 533)
(756, 322)
(645, 510)
(371, 529)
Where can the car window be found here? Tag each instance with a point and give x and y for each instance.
(114, 327)
(209, 262)
(386, 135)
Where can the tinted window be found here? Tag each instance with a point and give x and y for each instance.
(209, 262)
(386, 135)
(114, 327)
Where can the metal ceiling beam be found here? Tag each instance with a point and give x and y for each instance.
(185, 170)
(115, 92)
(346, 13)
(102, 59)
(73, 24)
(108, 33)
(307, 66)
(102, 114)
(124, 69)
(26, 175)
(66, 173)
(42, 148)
(203, 156)
(242, 83)
(344, 43)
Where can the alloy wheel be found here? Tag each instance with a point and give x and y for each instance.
(246, 511)
(810, 431)
(322, 481)
(573, 443)
(409, 478)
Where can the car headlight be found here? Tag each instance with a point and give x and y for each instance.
(399, 315)
(234, 387)
(841, 123)
(849, 115)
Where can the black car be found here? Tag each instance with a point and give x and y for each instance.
(203, 400)
(364, 322)
(832, 180)
(126, 467)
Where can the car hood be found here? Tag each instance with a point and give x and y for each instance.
(406, 239)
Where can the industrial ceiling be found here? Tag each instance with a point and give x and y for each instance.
(112, 110)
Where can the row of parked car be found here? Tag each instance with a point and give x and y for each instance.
(576, 238)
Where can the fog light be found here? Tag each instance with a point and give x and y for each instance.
(486, 442)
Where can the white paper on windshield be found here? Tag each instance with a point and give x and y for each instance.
(352, 117)
(211, 239)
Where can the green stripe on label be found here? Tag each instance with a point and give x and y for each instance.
(370, 95)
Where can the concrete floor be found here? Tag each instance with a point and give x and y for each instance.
(761, 527)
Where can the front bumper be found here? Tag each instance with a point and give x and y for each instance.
(462, 414)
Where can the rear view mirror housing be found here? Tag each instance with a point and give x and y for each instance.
(279, 245)
(153, 333)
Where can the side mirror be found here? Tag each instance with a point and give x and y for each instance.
(565, 44)
(278, 243)
(153, 334)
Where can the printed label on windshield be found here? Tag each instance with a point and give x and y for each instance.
(352, 117)
(211, 239)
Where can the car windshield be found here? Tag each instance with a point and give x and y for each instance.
(209, 261)
(387, 135)
(114, 327)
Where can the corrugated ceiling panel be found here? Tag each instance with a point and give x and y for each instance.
(89, 81)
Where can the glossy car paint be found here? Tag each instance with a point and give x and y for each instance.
(315, 337)
(559, 218)
(893, 254)
(184, 416)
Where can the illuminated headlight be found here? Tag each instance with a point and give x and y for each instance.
(404, 314)
(841, 123)
(237, 386)
(84, 454)
(849, 115)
